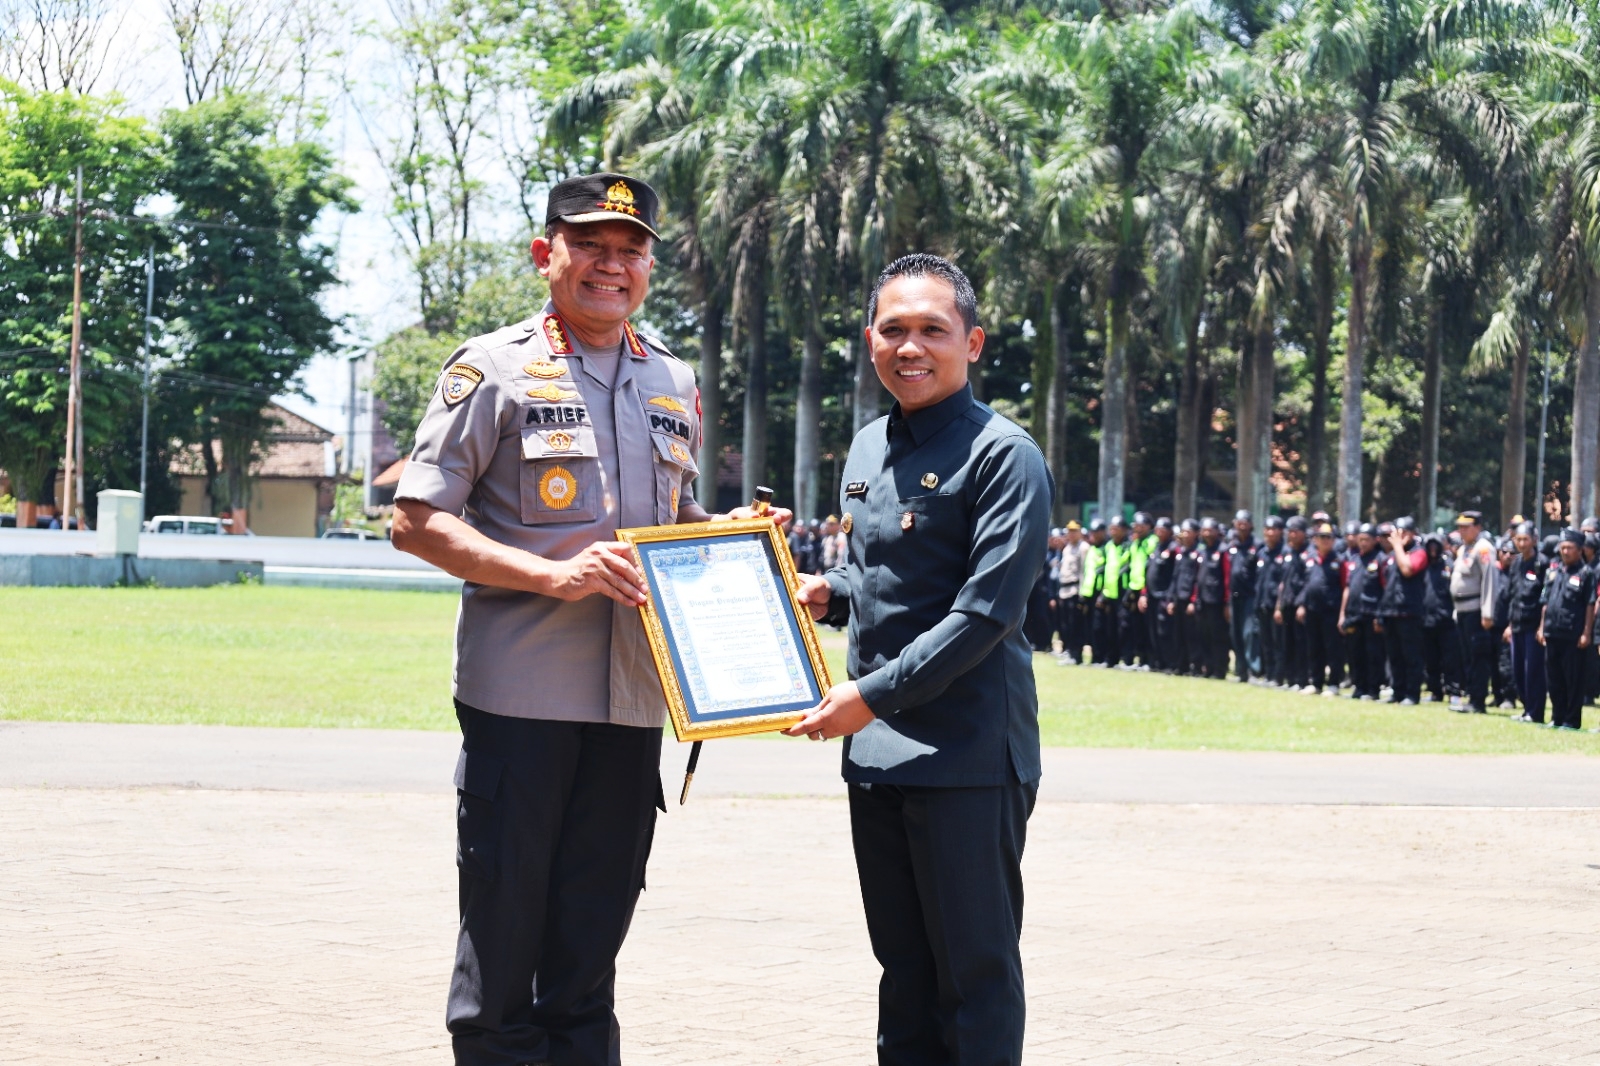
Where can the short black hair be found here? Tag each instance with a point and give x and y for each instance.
(920, 265)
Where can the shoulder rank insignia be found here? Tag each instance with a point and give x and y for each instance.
(544, 368)
(555, 334)
(459, 381)
(552, 394)
(930, 481)
(557, 488)
(670, 403)
(635, 345)
(847, 522)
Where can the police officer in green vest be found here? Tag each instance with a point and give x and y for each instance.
(1135, 632)
(1114, 586)
(1091, 589)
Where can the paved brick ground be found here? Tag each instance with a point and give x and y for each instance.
(285, 928)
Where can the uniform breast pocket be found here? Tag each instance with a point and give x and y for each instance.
(935, 533)
(560, 475)
(675, 468)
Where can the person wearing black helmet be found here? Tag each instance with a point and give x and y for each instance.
(1157, 594)
(1526, 579)
(1181, 606)
(1244, 635)
(1404, 584)
(1211, 600)
(1319, 610)
(1441, 650)
(1358, 614)
(1287, 614)
(1091, 591)
(1566, 629)
(1270, 559)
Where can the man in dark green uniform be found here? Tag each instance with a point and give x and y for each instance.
(950, 507)
(1567, 630)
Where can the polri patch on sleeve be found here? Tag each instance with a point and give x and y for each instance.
(856, 488)
(459, 381)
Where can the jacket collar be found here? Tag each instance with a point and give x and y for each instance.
(924, 423)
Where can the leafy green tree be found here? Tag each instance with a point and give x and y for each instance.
(244, 307)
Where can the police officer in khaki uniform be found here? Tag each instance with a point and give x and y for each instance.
(540, 441)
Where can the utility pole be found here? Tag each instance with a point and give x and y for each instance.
(144, 423)
(350, 420)
(72, 494)
(1544, 428)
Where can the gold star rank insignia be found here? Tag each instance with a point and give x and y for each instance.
(847, 523)
(459, 381)
(555, 334)
(930, 481)
(558, 488)
(619, 198)
(552, 394)
(635, 345)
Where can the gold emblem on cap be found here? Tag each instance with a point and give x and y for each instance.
(670, 403)
(847, 522)
(619, 198)
(552, 393)
(544, 369)
(559, 441)
(557, 488)
(930, 481)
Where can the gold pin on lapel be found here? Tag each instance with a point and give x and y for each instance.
(847, 523)
(907, 520)
(930, 481)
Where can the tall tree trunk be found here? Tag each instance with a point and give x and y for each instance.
(710, 399)
(1432, 397)
(1042, 371)
(1264, 381)
(1056, 410)
(1322, 330)
(1514, 456)
(1114, 405)
(808, 422)
(1246, 438)
(755, 385)
(1186, 463)
(1354, 380)
(869, 390)
(1586, 405)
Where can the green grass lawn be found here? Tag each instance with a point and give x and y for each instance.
(248, 655)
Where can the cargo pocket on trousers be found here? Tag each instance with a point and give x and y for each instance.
(477, 816)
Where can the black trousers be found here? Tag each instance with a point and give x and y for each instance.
(941, 880)
(1106, 647)
(1441, 658)
(1130, 631)
(1528, 666)
(1478, 653)
(1212, 622)
(1271, 646)
(1403, 639)
(1074, 625)
(1365, 646)
(554, 822)
(1296, 650)
(1161, 635)
(1324, 648)
(1564, 666)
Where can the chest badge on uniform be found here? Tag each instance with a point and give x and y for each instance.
(459, 381)
(559, 441)
(669, 403)
(930, 481)
(552, 394)
(673, 502)
(907, 520)
(848, 522)
(855, 488)
(558, 488)
(545, 369)
(679, 452)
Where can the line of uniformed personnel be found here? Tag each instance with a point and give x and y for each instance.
(1380, 612)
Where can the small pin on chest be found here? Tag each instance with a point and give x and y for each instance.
(907, 521)
(930, 481)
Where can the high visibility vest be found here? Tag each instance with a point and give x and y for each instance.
(1142, 551)
(1116, 559)
(1094, 569)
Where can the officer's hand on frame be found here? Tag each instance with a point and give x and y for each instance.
(781, 515)
(841, 713)
(814, 592)
(605, 567)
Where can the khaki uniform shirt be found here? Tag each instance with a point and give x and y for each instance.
(534, 448)
(1474, 578)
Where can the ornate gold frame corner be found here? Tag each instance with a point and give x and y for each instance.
(660, 648)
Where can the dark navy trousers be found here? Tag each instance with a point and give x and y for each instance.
(554, 822)
(941, 879)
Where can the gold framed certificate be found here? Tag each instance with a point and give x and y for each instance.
(737, 653)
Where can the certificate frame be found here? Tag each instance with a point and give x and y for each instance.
(696, 713)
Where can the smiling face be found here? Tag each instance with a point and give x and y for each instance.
(919, 345)
(599, 273)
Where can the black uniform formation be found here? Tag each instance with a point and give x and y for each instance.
(1376, 612)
